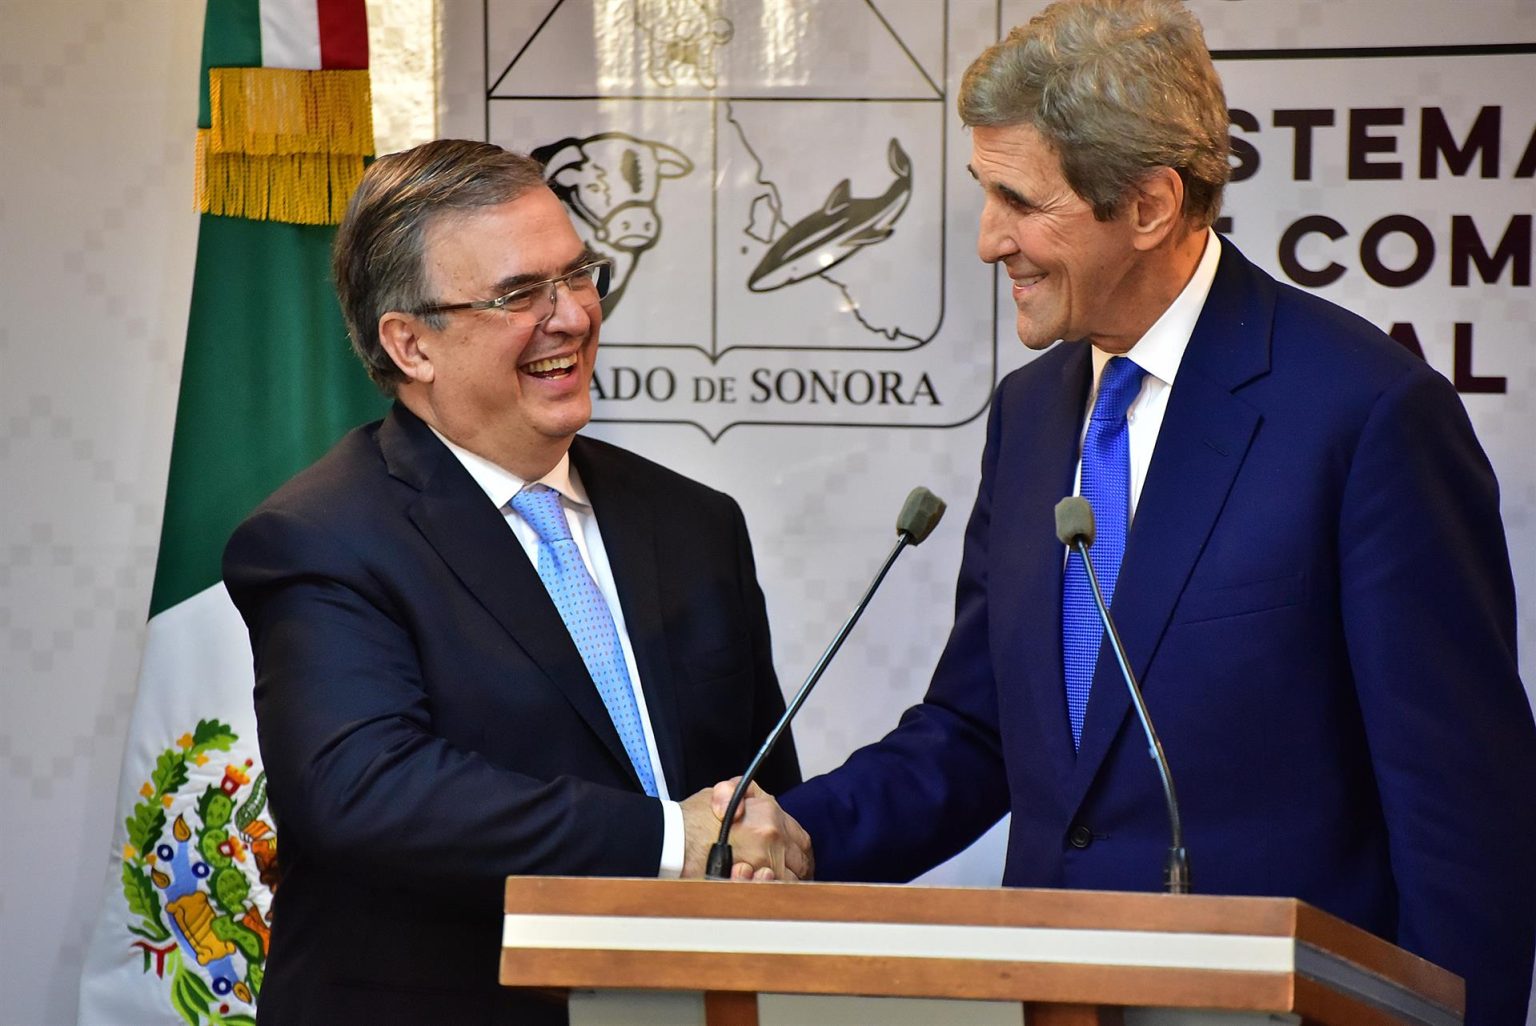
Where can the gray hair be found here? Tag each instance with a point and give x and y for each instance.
(1118, 88)
(377, 258)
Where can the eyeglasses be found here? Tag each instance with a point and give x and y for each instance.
(532, 305)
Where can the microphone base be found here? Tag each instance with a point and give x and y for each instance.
(720, 862)
(1176, 872)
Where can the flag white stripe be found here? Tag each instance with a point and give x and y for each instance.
(196, 665)
(290, 34)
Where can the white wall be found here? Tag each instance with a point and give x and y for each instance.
(98, 101)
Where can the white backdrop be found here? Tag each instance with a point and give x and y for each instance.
(771, 103)
(97, 101)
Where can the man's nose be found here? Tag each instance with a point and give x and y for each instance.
(568, 316)
(994, 238)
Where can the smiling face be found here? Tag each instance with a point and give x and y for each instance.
(1073, 276)
(515, 395)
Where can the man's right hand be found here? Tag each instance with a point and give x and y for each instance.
(766, 842)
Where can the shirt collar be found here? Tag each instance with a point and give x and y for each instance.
(1160, 351)
(500, 484)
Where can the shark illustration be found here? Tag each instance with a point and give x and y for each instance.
(837, 231)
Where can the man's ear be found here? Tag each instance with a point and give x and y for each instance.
(401, 336)
(1156, 207)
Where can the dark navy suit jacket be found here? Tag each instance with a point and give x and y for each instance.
(1316, 598)
(428, 727)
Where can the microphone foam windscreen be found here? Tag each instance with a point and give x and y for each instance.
(1074, 520)
(919, 515)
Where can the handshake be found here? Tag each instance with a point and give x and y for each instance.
(766, 841)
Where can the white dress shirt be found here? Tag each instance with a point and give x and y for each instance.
(500, 485)
(1159, 352)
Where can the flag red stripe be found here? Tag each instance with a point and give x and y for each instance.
(343, 33)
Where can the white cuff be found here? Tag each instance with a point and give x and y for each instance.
(671, 841)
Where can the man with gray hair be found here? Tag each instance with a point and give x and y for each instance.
(484, 644)
(1299, 532)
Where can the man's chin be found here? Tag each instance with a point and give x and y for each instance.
(1036, 342)
(570, 418)
(1034, 336)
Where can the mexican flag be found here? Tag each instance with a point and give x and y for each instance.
(268, 383)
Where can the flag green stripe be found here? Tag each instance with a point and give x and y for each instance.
(267, 385)
(231, 39)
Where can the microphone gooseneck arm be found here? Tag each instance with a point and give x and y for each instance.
(1075, 529)
(1176, 869)
(720, 859)
(919, 515)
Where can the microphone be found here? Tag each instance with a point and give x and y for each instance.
(1074, 526)
(919, 515)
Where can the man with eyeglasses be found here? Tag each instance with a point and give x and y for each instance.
(485, 645)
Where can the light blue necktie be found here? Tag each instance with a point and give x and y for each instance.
(1106, 485)
(587, 618)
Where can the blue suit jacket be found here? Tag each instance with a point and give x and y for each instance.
(428, 727)
(1316, 598)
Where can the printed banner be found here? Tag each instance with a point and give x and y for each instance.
(803, 320)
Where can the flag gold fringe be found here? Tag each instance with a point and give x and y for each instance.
(285, 145)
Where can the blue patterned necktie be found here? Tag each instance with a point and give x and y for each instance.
(587, 618)
(1106, 485)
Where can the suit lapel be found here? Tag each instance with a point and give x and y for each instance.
(1204, 439)
(625, 515)
(1029, 613)
(471, 536)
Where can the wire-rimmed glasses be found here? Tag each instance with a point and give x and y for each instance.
(531, 305)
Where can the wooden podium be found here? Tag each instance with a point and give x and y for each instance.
(1068, 957)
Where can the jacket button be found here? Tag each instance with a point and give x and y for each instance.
(1080, 836)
